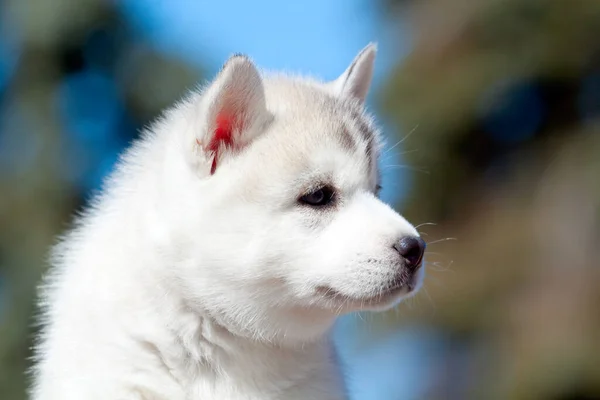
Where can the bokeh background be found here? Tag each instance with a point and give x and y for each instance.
(491, 110)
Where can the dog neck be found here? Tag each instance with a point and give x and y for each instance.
(197, 345)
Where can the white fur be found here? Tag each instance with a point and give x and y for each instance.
(178, 284)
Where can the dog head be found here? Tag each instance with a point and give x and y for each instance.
(273, 198)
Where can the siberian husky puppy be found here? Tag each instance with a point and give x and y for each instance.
(224, 246)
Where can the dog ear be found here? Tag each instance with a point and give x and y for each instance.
(356, 80)
(236, 106)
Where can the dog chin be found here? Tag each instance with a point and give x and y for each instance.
(380, 302)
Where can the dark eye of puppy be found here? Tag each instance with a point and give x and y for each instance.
(320, 197)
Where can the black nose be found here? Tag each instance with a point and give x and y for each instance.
(411, 249)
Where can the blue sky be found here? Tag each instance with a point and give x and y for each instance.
(311, 36)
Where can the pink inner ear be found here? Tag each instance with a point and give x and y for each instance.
(222, 135)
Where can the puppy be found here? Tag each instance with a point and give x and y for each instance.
(224, 246)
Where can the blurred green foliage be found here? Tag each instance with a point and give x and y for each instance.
(503, 100)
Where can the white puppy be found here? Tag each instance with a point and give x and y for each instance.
(224, 246)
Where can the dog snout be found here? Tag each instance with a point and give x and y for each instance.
(411, 249)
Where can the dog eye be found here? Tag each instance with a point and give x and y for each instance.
(318, 198)
(378, 189)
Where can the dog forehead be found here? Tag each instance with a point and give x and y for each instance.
(310, 116)
(305, 100)
(312, 136)
(317, 129)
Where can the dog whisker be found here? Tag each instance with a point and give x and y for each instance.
(425, 223)
(404, 166)
(403, 139)
(441, 240)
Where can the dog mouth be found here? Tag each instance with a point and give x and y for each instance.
(394, 291)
